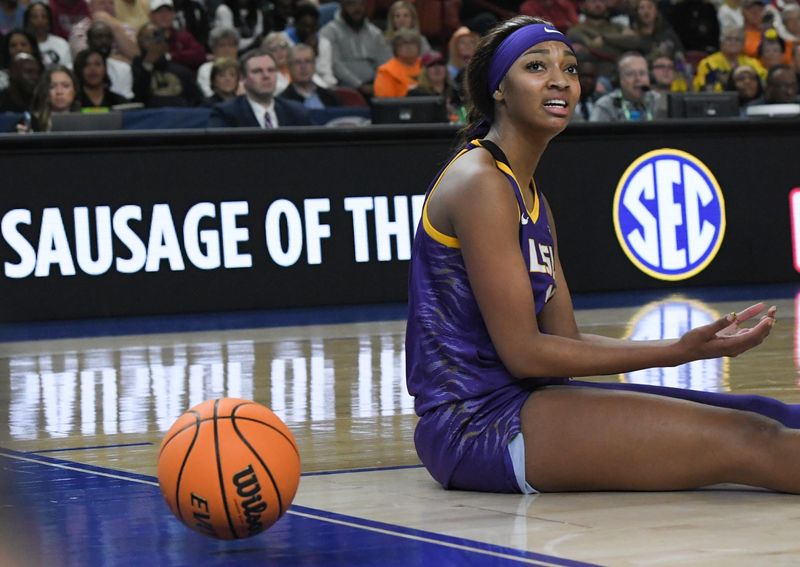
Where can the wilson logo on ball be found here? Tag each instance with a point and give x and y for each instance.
(247, 486)
(669, 214)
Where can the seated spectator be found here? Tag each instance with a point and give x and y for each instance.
(12, 15)
(563, 14)
(306, 30)
(712, 71)
(258, 107)
(358, 46)
(55, 93)
(17, 41)
(460, 48)
(773, 50)
(400, 73)
(651, 32)
(184, 49)
(94, 86)
(592, 32)
(753, 12)
(434, 80)
(67, 13)
(157, 80)
(191, 16)
(133, 13)
(633, 100)
(796, 59)
(482, 15)
(39, 22)
(277, 43)
(729, 14)
(403, 16)
(789, 23)
(587, 76)
(665, 80)
(125, 46)
(246, 17)
(780, 87)
(23, 76)
(100, 38)
(696, 23)
(303, 89)
(224, 43)
(745, 80)
(224, 80)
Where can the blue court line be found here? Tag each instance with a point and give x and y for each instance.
(90, 447)
(452, 542)
(12, 332)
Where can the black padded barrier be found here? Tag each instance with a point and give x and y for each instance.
(144, 223)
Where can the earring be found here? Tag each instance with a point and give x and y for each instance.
(497, 94)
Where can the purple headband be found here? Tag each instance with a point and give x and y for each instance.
(515, 45)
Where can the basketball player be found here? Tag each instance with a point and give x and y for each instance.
(492, 338)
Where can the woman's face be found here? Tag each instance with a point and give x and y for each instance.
(771, 54)
(437, 73)
(646, 12)
(226, 47)
(402, 19)
(541, 88)
(408, 53)
(94, 72)
(465, 47)
(747, 84)
(62, 92)
(226, 82)
(279, 48)
(18, 43)
(38, 18)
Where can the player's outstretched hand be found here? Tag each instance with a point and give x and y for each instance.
(728, 336)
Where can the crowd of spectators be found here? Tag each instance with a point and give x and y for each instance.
(268, 63)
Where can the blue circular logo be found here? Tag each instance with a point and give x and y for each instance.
(669, 214)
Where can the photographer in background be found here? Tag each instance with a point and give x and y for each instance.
(157, 80)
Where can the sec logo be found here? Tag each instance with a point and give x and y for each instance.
(669, 214)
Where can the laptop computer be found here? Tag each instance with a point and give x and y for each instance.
(86, 122)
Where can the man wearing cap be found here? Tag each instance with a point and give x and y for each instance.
(713, 71)
(258, 107)
(184, 49)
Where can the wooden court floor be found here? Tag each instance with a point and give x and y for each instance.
(81, 420)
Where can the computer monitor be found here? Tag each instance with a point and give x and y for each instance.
(409, 110)
(85, 121)
(703, 105)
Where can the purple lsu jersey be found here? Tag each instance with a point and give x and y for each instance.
(468, 402)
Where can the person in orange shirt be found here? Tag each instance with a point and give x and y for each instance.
(395, 77)
(753, 12)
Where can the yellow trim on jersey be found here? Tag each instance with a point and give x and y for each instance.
(440, 237)
(533, 214)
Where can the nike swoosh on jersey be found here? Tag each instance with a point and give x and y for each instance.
(524, 219)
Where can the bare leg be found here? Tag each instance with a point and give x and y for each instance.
(579, 438)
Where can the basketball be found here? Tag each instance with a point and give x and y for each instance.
(229, 468)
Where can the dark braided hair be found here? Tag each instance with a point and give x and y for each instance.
(480, 102)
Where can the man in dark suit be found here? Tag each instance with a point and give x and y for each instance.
(303, 89)
(258, 107)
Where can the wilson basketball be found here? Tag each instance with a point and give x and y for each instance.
(229, 468)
